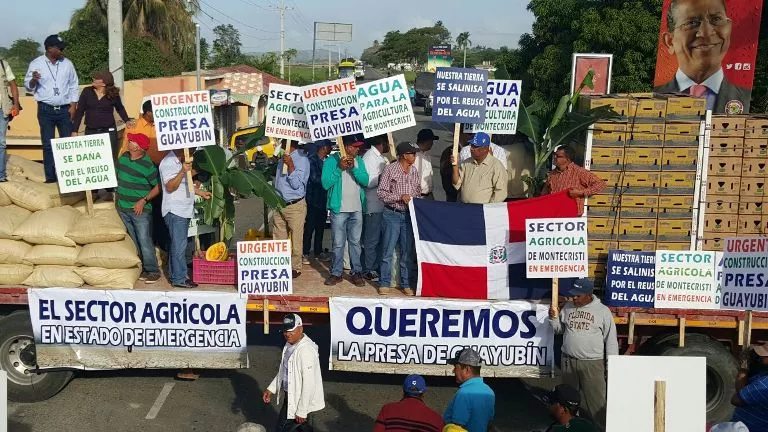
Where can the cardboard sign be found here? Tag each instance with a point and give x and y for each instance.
(285, 114)
(745, 274)
(630, 279)
(332, 109)
(556, 248)
(385, 105)
(84, 163)
(502, 106)
(264, 267)
(183, 120)
(685, 280)
(460, 95)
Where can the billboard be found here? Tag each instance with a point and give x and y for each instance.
(601, 64)
(439, 56)
(708, 48)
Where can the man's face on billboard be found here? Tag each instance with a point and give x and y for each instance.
(700, 37)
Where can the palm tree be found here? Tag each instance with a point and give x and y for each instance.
(462, 40)
(288, 55)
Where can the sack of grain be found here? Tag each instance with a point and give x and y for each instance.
(49, 226)
(109, 278)
(52, 255)
(5, 200)
(82, 206)
(14, 274)
(38, 196)
(34, 171)
(104, 226)
(10, 218)
(13, 251)
(113, 255)
(49, 276)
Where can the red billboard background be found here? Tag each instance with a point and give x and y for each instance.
(602, 68)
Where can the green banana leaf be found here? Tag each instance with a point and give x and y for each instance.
(211, 159)
(577, 121)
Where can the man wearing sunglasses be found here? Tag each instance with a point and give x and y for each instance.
(699, 35)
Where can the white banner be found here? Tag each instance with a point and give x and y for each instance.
(386, 106)
(264, 267)
(95, 329)
(513, 338)
(686, 280)
(332, 109)
(745, 274)
(84, 163)
(556, 248)
(183, 120)
(285, 114)
(502, 107)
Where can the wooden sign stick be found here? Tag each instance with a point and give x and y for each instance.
(392, 153)
(555, 292)
(89, 202)
(748, 329)
(456, 133)
(659, 406)
(340, 144)
(287, 151)
(190, 185)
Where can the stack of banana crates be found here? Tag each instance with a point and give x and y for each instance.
(735, 201)
(648, 159)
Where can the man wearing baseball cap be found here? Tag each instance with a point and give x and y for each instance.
(751, 397)
(137, 185)
(482, 179)
(589, 337)
(564, 403)
(410, 413)
(298, 381)
(473, 405)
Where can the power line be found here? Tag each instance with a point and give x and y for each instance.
(245, 35)
(236, 20)
(256, 5)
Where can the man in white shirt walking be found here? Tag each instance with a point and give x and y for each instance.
(298, 381)
(375, 162)
(425, 140)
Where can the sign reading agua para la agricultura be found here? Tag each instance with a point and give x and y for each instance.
(556, 248)
(686, 280)
(84, 163)
(332, 109)
(285, 114)
(385, 105)
(502, 106)
(264, 267)
(745, 273)
(460, 95)
(96, 329)
(630, 280)
(513, 338)
(183, 120)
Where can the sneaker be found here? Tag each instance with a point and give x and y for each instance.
(324, 257)
(333, 280)
(3, 180)
(186, 284)
(143, 276)
(371, 276)
(151, 278)
(357, 280)
(295, 273)
(305, 259)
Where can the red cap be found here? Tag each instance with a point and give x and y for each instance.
(140, 139)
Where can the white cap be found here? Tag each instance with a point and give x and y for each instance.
(730, 427)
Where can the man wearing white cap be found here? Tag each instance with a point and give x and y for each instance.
(298, 379)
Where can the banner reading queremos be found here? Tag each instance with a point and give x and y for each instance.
(420, 335)
(119, 329)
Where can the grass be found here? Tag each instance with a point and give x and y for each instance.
(302, 75)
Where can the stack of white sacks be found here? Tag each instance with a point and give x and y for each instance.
(48, 240)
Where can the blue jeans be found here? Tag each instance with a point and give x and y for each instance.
(397, 231)
(178, 227)
(372, 231)
(140, 230)
(51, 119)
(347, 227)
(3, 131)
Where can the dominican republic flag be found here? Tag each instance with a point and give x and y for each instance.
(477, 251)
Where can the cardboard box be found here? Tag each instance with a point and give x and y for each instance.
(607, 158)
(677, 183)
(641, 183)
(643, 158)
(603, 200)
(721, 223)
(603, 228)
(754, 187)
(611, 178)
(675, 206)
(597, 271)
(726, 147)
(637, 229)
(715, 244)
(724, 166)
(638, 246)
(645, 135)
(682, 134)
(725, 126)
(754, 168)
(674, 230)
(753, 208)
(639, 206)
(673, 246)
(598, 249)
(756, 127)
(723, 185)
(750, 224)
(684, 107)
(644, 108)
(620, 104)
(606, 134)
(722, 204)
(679, 159)
(756, 148)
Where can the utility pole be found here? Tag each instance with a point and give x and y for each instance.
(197, 55)
(115, 26)
(282, 8)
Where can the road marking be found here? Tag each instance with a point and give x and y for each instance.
(160, 401)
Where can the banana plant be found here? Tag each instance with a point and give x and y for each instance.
(546, 136)
(226, 177)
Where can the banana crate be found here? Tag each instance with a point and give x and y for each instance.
(714, 241)
(722, 204)
(720, 223)
(756, 127)
(679, 159)
(724, 166)
(754, 168)
(723, 185)
(643, 158)
(726, 147)
(728, 126)
(682, 134)
(639, 206)
(644, 108)
(753, 206)
(609, 134)
(607, 158)
(674, 230)
(677, 183)
(754, 187)
(598, 249)
(673, 246)
(637, 229)
(751, 224)
(756, 148)
(638, 246)
(597, 272)
(675, 206)
(603, 227)
(645, 135)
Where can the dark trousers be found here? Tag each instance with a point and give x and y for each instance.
(50, 118)
(314, 228)
(284, 424)
(159, 231)
(113, 142)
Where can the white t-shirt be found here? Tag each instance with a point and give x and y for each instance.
(180, 202)
(424, 167)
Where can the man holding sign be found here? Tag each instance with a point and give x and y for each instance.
(482, 179)
(579, 182)
(291, 183)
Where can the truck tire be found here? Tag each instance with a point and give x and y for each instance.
(18, 359)
(721, 371)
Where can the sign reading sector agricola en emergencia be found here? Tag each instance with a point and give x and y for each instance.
(84, 163)
(183, 120)
(556, 248)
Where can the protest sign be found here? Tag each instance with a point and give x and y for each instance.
(385, 105)
(332, 109)
(117, 329)
(183, 120)
(630, 279)
(513, 338)
(745, 274)
(459, 95)
(84, 163)
(264, 267)
(685, 280)
(285, 114)
(502, 106)
(556, 248)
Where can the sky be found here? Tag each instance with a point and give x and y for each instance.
(496, 23)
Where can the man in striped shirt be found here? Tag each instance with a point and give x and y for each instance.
(751, 398)
(579, 182)
(137, 184)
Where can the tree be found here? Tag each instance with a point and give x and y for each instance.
(226, 46)
(371, 55)
(268, 63)
(24, 50)
(412, 45)
(288, 55)
(462, 41)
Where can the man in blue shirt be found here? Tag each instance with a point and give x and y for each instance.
(473, 404)
(291, 183)
(53, 81)
(751, 398)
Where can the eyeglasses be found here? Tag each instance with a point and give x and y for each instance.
(695, 24)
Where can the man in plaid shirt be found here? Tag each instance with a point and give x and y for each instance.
(579, 182)
(399, 183)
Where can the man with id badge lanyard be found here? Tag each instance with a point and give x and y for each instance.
(53, 81)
